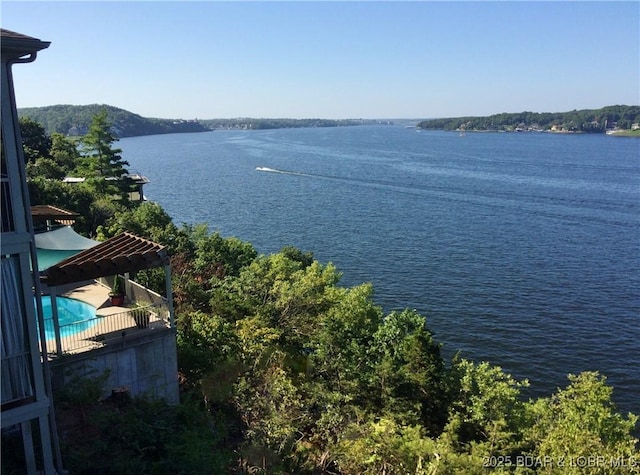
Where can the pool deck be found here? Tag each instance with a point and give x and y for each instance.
(97, 295)
(93, 293)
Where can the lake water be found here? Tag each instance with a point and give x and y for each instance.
(522, 249)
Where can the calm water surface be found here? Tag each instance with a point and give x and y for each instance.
(521, 249)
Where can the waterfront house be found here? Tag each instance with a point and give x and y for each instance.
(135, 179)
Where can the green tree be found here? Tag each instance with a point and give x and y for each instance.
(218, 257)
(383, 446)
(410, 373)
(100, 163)
(486, 414)
(341, 356)
(201, 262)
(273, 411)
(204, 343)
(286, 295)
(148, 220)
(46, 157)
(35, 141)
(64, 151)
(581, 421)
(45, 168)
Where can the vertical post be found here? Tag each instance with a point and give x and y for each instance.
(47, 453)
(167, 280)
(56, 321)
(27, 442)
(127, 286)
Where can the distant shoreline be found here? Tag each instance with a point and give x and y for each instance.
(615, 133)
(619, 120)
(72, 120)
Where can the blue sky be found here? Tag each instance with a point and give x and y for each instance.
(330, 59)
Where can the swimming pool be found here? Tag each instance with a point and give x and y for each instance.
(74, 316)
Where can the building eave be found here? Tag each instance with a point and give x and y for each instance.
(16, 46)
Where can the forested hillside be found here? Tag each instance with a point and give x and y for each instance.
(74, 120)
(588, 120)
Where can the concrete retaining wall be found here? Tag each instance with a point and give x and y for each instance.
(146, 364)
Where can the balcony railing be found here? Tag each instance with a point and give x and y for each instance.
(108, 329)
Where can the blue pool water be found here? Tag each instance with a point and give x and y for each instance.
(74, 316)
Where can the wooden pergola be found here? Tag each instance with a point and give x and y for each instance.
(121, 255)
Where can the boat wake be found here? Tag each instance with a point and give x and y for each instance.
(284, 172)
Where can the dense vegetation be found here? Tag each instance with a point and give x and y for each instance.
(283, 370)
(74, 121)
(592, 121)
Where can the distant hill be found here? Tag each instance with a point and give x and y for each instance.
(607, 119)
(75, 120)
